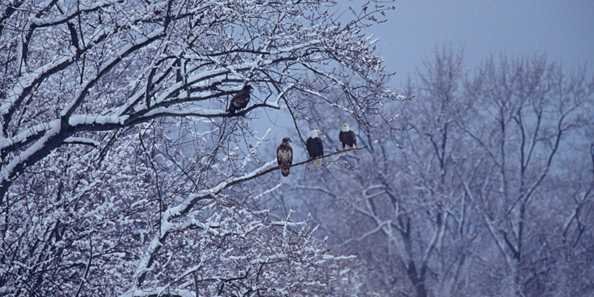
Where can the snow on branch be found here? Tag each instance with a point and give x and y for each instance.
(83, 141)
(183, 208)
(93, 71)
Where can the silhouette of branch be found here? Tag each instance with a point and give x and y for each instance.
(267, 170)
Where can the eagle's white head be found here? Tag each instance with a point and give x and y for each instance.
(315, 133)
(345, 128)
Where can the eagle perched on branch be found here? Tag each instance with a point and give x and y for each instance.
(241, 99)
(347, 137)
(284, 156)
(315, 147)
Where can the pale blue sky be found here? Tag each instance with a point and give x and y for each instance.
(563, 29)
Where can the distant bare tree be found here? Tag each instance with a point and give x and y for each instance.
(476, 187)
(529, 109)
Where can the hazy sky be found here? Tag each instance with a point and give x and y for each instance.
(563, 29)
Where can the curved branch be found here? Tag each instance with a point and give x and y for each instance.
(186, 206)
(273, 168)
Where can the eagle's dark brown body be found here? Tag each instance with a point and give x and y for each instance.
(315, 147)
(284, 156)
(348, 139)
(241, 99)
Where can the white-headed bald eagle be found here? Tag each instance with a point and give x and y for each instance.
(347, 137)
(284, 156)
(241, 99)
(315, 147)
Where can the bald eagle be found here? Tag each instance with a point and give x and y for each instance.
(284, 156)
(347, 137)
(314, 146)
(241, 99)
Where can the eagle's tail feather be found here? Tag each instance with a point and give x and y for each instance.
(285, 171)
(318, 162)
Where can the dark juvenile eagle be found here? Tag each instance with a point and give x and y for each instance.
(284, 156)
(314, 146)
(241, 99)
(347, 137)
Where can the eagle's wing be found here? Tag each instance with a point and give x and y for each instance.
(279, 154)
(314, 146)
(241, 98)
(320, 146)
(353, 137)
(310, 146)
(290, 155)
(342, 137)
